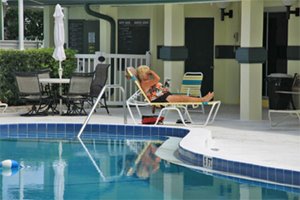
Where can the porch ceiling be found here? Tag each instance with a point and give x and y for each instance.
(107, 2)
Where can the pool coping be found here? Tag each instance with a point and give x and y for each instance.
(206, 156)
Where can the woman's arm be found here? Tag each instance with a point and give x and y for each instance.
(147, 84)
(156, 78)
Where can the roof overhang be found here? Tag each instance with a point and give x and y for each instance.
(107, 2)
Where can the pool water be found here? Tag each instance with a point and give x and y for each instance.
(113, 169)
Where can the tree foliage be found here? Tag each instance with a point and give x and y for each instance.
(33, 24)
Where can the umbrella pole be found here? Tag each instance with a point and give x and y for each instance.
(60, 72)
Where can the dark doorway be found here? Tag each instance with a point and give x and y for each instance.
(91, 36)
(199, 39)
(275, 42)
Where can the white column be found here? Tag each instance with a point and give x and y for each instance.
(1, 21)
(21, 24)
(174, 36)
(251, 74)
(250, 192)
(21, 182)
(48, 26)
(173, 186)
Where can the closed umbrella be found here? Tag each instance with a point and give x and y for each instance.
(59, 37)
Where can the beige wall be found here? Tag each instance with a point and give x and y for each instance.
(226, 71)
(156, 15)
(78, 12)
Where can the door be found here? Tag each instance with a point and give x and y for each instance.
(199, 39)
(275, 42)
(91, 36)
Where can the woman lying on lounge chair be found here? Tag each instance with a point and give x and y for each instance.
(149, 81)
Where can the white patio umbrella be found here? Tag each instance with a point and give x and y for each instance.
(59, 37)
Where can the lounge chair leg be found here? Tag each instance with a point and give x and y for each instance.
(187, 114)
(165, 109)
(213, 112)
(131, 114)
(139, 111)
(289, 112)
(159, 115)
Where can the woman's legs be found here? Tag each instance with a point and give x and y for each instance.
(184, 98)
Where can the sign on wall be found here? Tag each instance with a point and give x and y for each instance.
(76, 35)
(133, 36)
(84, 36)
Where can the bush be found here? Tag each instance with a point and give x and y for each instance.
(29, 60)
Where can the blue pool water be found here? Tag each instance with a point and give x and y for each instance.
(112, 166)
(64, 170)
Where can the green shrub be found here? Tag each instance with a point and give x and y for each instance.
(29, 60)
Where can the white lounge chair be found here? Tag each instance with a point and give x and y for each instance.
(3, 105)
(180, 107)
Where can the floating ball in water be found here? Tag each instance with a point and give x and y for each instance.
(9, 164)
(8, 171)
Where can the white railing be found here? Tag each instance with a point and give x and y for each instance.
(116, 71)
(14, 44)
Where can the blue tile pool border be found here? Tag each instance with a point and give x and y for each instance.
(247, 170)
(92, 131)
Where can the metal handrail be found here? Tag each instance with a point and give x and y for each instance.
(98, 100)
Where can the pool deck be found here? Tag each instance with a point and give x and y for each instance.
(228, 137)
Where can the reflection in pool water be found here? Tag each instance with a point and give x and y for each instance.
(113, 169)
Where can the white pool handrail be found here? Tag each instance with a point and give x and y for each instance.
(98, 100)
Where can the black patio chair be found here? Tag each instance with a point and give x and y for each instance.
(78, 93)
(98, 83)
(30, 91)
(50, 90)
(45, 73)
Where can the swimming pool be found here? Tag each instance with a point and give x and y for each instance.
(112, 162)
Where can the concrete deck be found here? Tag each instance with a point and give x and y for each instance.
(248, 141)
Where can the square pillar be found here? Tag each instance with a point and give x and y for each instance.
(174, 37)
(251, 67)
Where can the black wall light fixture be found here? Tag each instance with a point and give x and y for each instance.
(222, 6)
(288, 4)
(223, 14)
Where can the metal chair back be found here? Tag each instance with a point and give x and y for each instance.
(80, 83)
(191, 84)
(28, 83)
(99, 79)
(45, 87)
(44, 73)
(30, 90)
